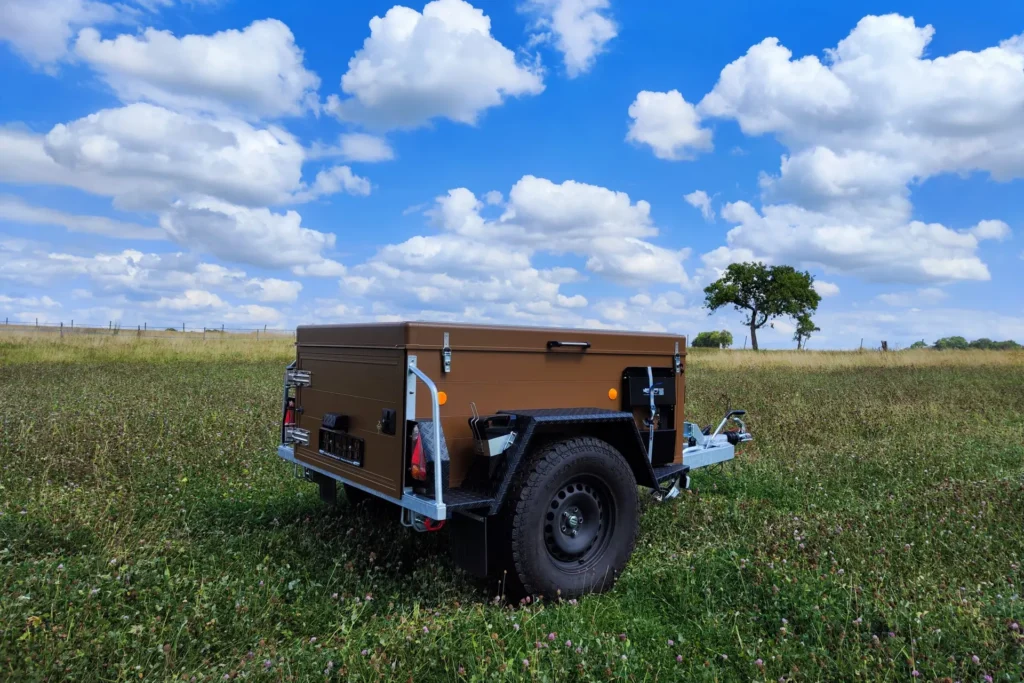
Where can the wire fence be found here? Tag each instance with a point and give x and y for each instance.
(145, 329)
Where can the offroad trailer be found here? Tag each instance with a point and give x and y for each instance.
(528, 445)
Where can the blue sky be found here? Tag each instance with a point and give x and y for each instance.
(589, 163)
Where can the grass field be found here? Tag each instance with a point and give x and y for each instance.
(874, 530)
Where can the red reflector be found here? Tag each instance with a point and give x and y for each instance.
(289, 413)
(419, 463)
(432, 525)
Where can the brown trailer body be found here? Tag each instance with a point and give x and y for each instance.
(546, 438)
(359, 371)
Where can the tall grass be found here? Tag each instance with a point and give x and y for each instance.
(148, 532)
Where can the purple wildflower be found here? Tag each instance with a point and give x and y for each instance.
(267, 664)
(679, 658)
(515, 627)
(426, 630)
(526, 663)
(759, 663)
(568, 643)
(365, 652)
(551, 637)
(988, 679)
(671, 642)
(462, 671)
(975, 659)
(622, 636)
(915, 673)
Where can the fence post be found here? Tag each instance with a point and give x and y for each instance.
(183, 327)
(257, 334)
(37, 322)
(222, 328)
(145, 327)
(62, 330)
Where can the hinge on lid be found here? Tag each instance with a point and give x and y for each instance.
(677, 361)
(446, 355)
(296, 435)
(298, 378)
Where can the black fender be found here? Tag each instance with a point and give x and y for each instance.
(534, 427)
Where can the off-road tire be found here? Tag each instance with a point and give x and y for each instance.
(561, 481)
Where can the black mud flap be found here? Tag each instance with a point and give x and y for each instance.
(473, 548)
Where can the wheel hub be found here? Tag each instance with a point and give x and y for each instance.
(572, 520)
(578, 523)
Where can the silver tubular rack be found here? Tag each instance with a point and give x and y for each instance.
(435, 407)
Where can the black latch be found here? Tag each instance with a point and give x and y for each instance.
(387, 421)
(446, 356)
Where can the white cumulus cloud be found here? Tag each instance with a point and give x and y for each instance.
(580, 29)
(249, 235)
(861, 126)
(39, 30)
(16, 210)
(668, 124)
(700, 200)
(442, 62)
(257, 71)
(826, 289)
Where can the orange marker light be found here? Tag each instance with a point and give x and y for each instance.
(613, 394)
(442, 397)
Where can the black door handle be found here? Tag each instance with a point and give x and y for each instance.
(576, 345)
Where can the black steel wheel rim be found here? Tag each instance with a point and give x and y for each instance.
(579, 521)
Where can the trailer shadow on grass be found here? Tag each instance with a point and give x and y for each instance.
(343, 550)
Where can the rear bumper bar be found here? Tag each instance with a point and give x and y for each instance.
(427, 507)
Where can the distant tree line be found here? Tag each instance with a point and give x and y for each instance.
(960, 343)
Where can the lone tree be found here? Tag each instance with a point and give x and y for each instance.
(804, 327)
(713, 340)
(765, 292)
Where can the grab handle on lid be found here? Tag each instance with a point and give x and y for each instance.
(570, 344)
